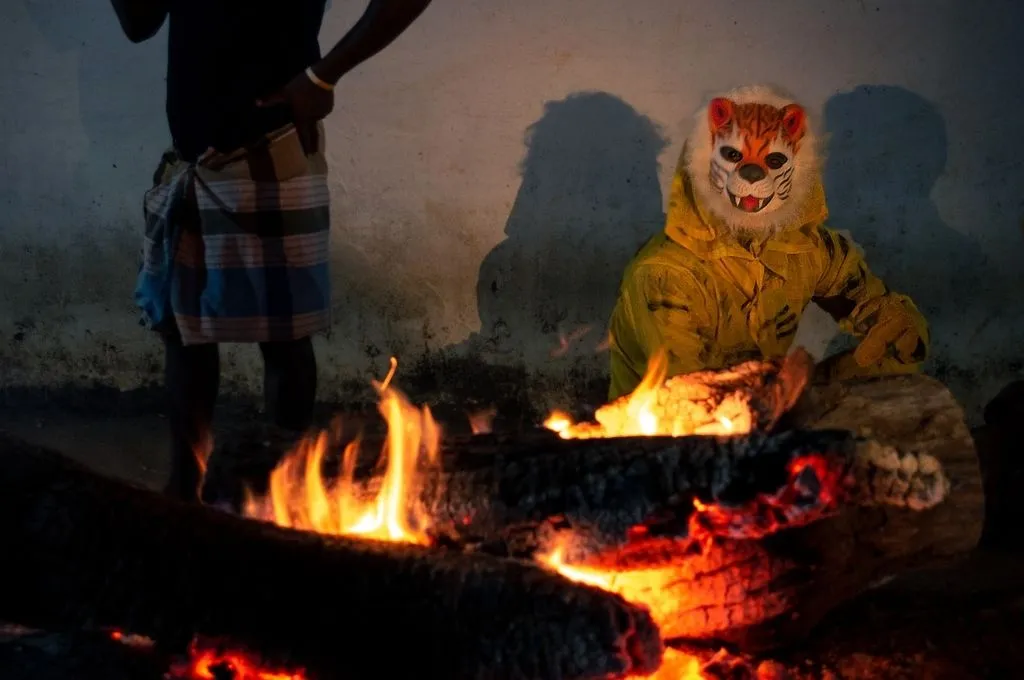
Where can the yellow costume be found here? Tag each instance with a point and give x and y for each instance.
(717, 288)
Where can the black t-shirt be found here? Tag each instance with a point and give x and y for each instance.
(223, 55)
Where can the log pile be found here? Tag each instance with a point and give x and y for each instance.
(896, 453)
(748, 540)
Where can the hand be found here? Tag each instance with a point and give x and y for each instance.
(309, 103)
(896, 336)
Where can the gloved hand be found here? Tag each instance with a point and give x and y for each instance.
(896, 334)
(844, 366)
(894, 341)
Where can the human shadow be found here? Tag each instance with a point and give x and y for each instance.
(887, 148)
(590, 196)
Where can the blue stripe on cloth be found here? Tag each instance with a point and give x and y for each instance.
(237, 292)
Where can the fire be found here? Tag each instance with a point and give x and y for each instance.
(646, 412)
(482, 422)
(300, 498)
(634, 586)
(676, 665)
(209, 663)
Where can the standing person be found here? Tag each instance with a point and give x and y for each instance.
(237, 222)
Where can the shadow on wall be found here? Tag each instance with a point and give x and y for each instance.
(590, 196)
(887, 148)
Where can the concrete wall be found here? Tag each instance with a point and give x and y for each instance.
(495, 168)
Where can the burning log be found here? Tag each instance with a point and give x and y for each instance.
(518, 498)
(87, 550)
(748, 540)
(750, 397)
(916, 502)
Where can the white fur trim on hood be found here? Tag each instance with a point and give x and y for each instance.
(807, 166)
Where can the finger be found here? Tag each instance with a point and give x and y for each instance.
(872, 348)
(275, 99)
(907, 344)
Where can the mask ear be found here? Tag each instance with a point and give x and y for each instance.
(794, 122)
(720, 112)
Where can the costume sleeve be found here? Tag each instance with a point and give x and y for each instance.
(662, 307)
(892, 332)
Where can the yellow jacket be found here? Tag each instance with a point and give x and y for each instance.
(694, 290)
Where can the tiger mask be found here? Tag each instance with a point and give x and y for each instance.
(752, 159)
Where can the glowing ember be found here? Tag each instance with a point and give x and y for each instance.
(706, 403)
(210, 663)
(676, 665)
(813, 492)
(635, 586)
(130, 640)
(482, 422)
(300, 498)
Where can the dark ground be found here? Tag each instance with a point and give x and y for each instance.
(964, 622)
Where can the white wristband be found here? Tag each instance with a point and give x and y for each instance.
(316, 80)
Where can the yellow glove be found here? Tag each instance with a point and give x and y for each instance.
(844, 366)
(895, 342)
(896, 334)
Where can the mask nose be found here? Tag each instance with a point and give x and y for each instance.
(752, 172)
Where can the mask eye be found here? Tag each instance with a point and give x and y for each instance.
(730, 154)
(775, 160)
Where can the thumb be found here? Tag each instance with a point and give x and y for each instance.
(275, 99)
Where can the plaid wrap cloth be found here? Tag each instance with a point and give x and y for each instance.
(237, 245)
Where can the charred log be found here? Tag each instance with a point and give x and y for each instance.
(771, 592)
(604, 490)
(89, 551)
(760, 570)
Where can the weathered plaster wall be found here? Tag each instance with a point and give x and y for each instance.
(494, 169)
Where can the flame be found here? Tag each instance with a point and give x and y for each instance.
(482, 422)
(676, 665)
(300, 498)
(558, 422)
(634, 586)
(640, 414)
(555, 560)
(210, 663)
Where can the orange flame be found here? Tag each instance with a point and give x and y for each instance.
(676, 665)
(634, 586)
(482, 422)
(204, 664)
(638, 414)
(300, 498)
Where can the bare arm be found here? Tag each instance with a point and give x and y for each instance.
(140, 19)
(381, 23)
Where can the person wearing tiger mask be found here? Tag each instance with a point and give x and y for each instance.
(745, 249)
